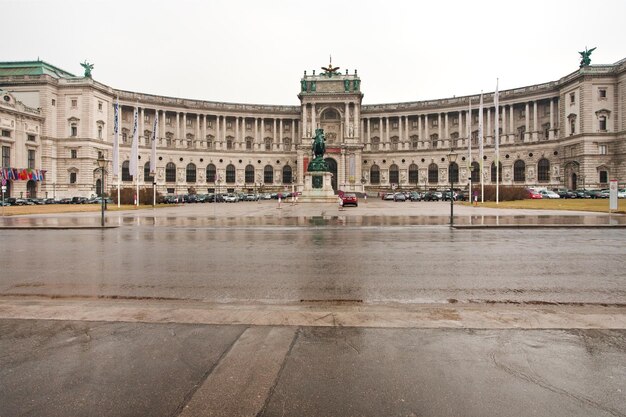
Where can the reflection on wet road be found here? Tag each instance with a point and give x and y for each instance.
(314, 259)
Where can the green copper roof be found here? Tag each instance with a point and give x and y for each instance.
(32, 68)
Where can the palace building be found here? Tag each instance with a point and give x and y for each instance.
(567, 133)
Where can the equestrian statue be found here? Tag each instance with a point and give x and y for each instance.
(319, 147)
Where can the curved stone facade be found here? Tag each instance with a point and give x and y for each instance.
(566, 133)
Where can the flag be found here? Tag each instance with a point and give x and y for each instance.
(153, 143)
(134, 150)
(116, 138)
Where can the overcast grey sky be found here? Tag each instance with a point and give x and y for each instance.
(250, 51)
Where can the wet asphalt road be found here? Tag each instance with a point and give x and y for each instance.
(63, 353)
(60, 368)
(284, 264)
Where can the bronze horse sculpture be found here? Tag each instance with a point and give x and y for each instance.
(319, 148)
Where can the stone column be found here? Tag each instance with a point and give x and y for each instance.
(197, 138)
(503, 136)
(489, 131)
(177, 137)
(280, 131)
(256, 131)
(400, 138)
(512, 123)
(420, 134)
(217, 131)
(262, 133)
(184, 135)
(369, 130)
(142, 128)
(204, 128)
(446, 127)
(236, 140)
(439, 124)
(527, 122)
(346, 118)
(387, 129)
(551, 131)
(304, 117)
(535, 124)
(461, 131)
(224, 131)
(426, 135)
(163, 128)
(313, 122)
(357, 121)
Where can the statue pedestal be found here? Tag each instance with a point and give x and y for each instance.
(325, 194)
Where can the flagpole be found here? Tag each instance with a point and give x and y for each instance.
(480, 148)
(497, 139)
(469, 148)
(116, 147)
(155, 130)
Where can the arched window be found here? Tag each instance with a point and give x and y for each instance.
(433, 173)
(210, 173)
(414, 141)
(413, 174)
(287, 179)
(543, 170)
(98, 187)
(191, 172)
(268, 174)
(170, 172)
(146, 173)
(374, 174)
(434, 140)
(126, 171)
(249, 174)
(453, 172)
(519, 171)
(230, 174)
(493, 172)
(394, 175)
(475, 172)
(99, 131)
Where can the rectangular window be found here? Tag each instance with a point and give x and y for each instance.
(572, 98)
(602, 149)
(31, 158)
(414, 123)
(72, 178)
(602, 123)
(248, 126)
(31, 138)
(604, 176)
(168, 120)
(6, 133)
(435, 123)
(73, 131)
(99, 106)
(394, 125)
(6, 156)
(287, 128)
(602, 93)
(74, 103)
(54, 102)
(209, 124)
(73, 153)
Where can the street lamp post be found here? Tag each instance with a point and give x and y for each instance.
(451, 160)
(101, 164)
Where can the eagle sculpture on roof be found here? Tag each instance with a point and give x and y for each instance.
(330, 70)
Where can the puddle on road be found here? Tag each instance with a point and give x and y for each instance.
(312, 221)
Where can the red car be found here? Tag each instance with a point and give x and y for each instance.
(532, 194)
(349, 199)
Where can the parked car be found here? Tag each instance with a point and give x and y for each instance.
(415, 196)
(433, 196)
(349, 199)
(388, 196)
(170, 199)
(399, 197)
(252, 197)
(79, 200)
(231, 198)
(66, 200)
(565, 193)
(548, 194)
(594, 193)
(621, 193)
(582, 194)
(534, 195)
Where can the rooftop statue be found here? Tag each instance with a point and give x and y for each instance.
(330, 70)
(586, 57)
(88, 67)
